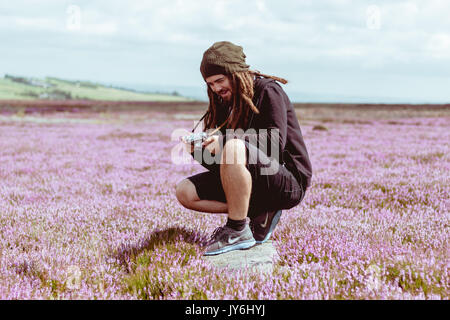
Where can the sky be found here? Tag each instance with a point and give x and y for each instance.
(329, 50)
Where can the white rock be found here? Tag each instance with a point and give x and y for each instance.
(259, 258)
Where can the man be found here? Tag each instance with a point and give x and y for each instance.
(245, 187)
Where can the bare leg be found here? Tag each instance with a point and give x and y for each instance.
(188, 197)
(210, 206)
(236, 179)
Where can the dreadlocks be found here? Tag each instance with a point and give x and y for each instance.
(242, 84)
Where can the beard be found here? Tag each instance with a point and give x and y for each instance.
(225, 102)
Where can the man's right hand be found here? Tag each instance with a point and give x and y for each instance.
(212, 144)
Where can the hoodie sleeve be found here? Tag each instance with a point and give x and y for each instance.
(273, 117)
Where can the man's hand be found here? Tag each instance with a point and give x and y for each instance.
(188, 147)
(212, 144)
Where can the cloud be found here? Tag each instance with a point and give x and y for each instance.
(296, 39)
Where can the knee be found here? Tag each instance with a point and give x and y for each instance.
(234, 150)
(185, 192)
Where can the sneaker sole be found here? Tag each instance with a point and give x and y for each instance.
(274, 223)
(239, 246)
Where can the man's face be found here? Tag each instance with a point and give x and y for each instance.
(221, 85)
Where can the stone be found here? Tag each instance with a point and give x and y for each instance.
(259, 258)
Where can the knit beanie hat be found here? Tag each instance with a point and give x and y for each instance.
(223, 57)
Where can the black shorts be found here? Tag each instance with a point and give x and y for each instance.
(269, 192)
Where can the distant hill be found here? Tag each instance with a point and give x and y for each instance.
(51, 88)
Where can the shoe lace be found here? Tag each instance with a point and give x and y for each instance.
(216, 232)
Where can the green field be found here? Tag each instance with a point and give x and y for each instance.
(12, 88)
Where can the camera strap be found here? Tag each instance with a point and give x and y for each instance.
(215, 130)
(200, 121)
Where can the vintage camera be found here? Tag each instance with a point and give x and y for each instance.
(195, 138)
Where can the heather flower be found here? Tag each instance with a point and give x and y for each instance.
(88, 211)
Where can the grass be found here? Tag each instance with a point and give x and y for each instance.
(11, 90)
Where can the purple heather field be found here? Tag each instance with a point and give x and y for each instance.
(88, 210)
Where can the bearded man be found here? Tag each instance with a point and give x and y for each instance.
(247, 186)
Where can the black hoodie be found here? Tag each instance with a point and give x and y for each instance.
(275, 112)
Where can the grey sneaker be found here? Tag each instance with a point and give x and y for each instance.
(263, 225)
(225, 239)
